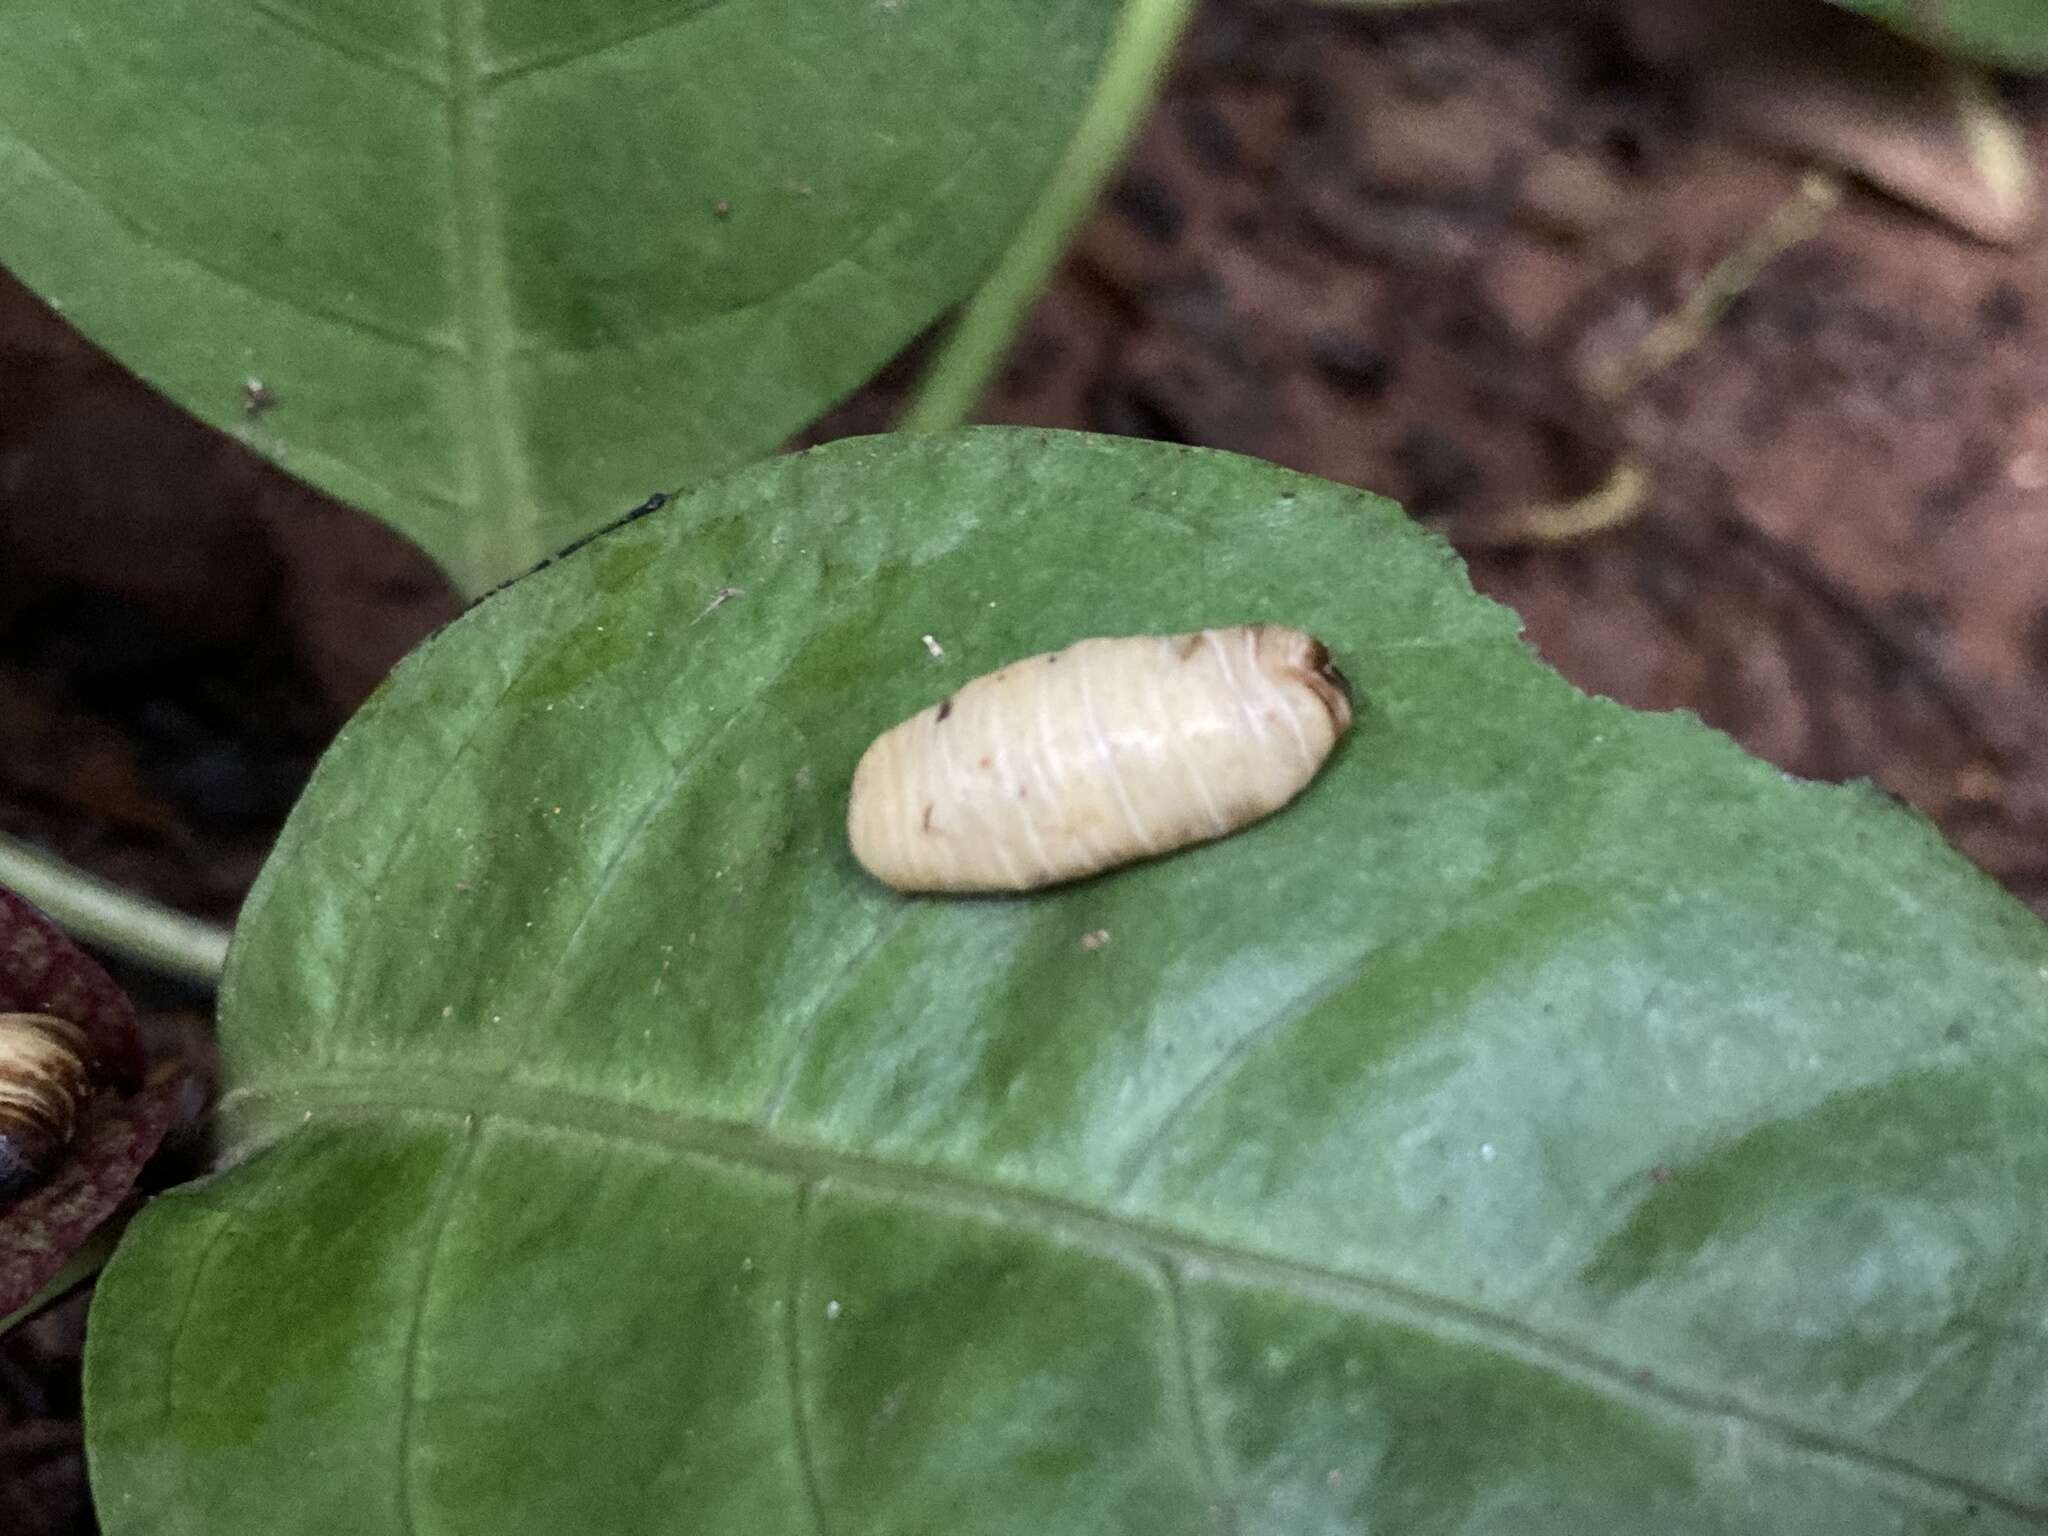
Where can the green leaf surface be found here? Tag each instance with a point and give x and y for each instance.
(504, 269)
(1555, 1121)
(2007, 32)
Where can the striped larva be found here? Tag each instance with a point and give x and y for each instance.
(1112, 750)
(43, 1085)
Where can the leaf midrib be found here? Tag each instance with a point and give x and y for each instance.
(500, 474)
(254, 1115)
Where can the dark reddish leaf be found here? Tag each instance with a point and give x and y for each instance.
(43, 1228)
(41, 971)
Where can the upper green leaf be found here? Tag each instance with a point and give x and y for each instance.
(2010, 32)
(1555, 1121)
(503, 269)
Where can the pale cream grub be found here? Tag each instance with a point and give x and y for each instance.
(1112, 750)
(43, 1084)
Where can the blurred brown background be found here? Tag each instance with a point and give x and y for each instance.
(1414, 251)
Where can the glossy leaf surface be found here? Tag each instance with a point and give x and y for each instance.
(1554, 1121)
(503, 269)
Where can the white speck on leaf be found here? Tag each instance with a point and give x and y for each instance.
(936, 651)
(1486, 1152)
(832, 1311)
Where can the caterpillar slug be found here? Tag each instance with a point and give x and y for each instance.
(1113, 750)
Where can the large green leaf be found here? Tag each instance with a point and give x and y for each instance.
(1555, 1121)
(2010, 32)
(506, 268)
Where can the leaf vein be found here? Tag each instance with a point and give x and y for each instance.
(540, 60)
(500, 469)
(1241, 1050)
(349, 986)
(392, 65)
(224, 1225)
(792, 1346)
(409, 1373)
(1221, 1506)
(256, 1114)
(680, 775)
(807, 1027)
(156, 240)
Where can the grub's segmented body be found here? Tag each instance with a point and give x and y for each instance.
(43, 1085)
(1066, 764)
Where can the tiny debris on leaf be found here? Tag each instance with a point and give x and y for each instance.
(719, 599)
(1094, 939)
(936, 651)
(257, 396)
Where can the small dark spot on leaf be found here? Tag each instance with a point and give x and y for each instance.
(945, 708)
(1661, 1174)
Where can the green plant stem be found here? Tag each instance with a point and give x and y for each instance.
(1998, 146)
(88, 1261)
(973, 349)
(118, 921)
(1798, 219)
